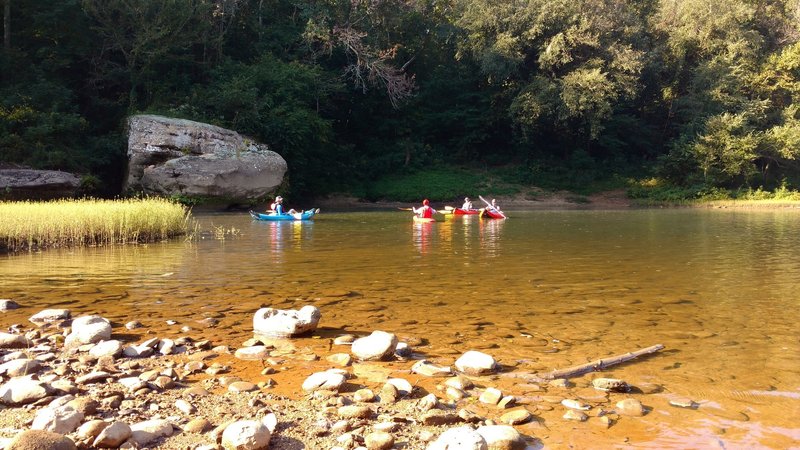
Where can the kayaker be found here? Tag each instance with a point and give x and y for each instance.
(274, 204)
(494, 207)
(467, 206)
(278, 207)
(425, 211)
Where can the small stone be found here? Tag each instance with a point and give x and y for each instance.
(39, 439)
(476, 363)
(143, 433)
(389, 394)
(379, 440)
(113, 435)
(196, 391)
(516, 416)
(355, 412)
(459, 382)
(610, 385)
(575, 404)
(61, 419)
(23, 390)
(364, 395)
(50, 315)
(7, 305)
(199, 425)
(88, 431)
(572, 414)
(439, 417)
(427, 403)
(345, 339)
(560, 383)
(246, 435)
(20, 367)
(502, 437)
(254, 353)
(630, 407)
(461, 438)
(604, 421)
(340, 359)
(8, 340)
(506, 401)
(403, 386)
(185, 407)
(454, 394)
(491, 396)
(428, 369)
(133, 324)
(328, 380)
(242, 386)
(377, 346)
(683, 402)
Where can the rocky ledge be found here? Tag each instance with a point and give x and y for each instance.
(22, 184)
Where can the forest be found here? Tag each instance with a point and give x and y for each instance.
(692, 95)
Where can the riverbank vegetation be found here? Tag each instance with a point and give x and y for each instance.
(64, 223)
(701, 94)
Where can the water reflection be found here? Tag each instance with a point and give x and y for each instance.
(283, 235)
(490, 231)
(421, 236)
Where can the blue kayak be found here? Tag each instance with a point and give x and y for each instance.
(307, 215)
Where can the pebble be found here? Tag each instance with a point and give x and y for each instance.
(428, 369)
(439, 417)
(354, 412)
(459, 382)
(255, 353)
(502, 437)
(454, 394)
(113, 435)
(39, 439)
(575, 404)
(427, 403)
(389, 393)
(476, 363)
(461, 438)
(198, 425)
(345, 339)
(185, 407)
(364, 395)
(7, 304)
(340, 359)
(572, 414)
(242, 386)
(610, 385)
(246, 435)
(403, 386)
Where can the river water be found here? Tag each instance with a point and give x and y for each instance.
(720, 289)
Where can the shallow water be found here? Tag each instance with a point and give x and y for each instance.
(542, 290)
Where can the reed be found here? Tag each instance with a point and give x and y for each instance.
(31, 225)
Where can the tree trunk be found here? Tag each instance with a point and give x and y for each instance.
(7, 25)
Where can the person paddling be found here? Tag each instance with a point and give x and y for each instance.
(494, 207)
(278, 207)
(425, 211)
(467, 206)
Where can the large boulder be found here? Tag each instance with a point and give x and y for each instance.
(174, 156)
(19, 184)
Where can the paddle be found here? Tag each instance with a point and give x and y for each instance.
(405, 209)
(492, 207)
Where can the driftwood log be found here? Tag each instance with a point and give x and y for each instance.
(599, 364)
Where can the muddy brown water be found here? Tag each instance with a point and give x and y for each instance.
(542, 290)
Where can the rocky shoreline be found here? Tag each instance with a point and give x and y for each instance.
(79, 383)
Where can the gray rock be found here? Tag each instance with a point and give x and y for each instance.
(88, 330)
(377, 346)
(143, 433)
(502, 437)
(7, 305)
(327, 381)
(24, 184)
(40, 440)
(461, 438)
(50, 315)
(112, 348)
(278, 323)
(246, 435)
(61, 419)
(20, 367)
(8, 340)
(429, 369)
(23, 390)
(476, 363)
(173, 156)
(113, 435)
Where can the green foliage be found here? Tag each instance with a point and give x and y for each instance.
(433, 184)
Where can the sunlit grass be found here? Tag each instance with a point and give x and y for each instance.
(64, 223)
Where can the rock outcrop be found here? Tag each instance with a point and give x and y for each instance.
(19, 184)
(174, 156)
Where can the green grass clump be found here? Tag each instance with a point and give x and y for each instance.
(654, 191)
(34, 225)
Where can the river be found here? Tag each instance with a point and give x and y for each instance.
(720, 289)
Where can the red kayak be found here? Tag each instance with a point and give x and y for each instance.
(492, 214)
(466, 212)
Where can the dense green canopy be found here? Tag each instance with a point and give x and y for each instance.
(694, 91)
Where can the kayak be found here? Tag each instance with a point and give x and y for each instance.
(466, 212)
(308, 215)
(492, 214)
(424, 219)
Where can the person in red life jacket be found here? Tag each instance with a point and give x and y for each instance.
(425, 211)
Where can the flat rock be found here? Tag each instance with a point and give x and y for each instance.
(23, 390)
(256, 352)
(242, 386)
(491, 396)
(429, 369)
(50, 315)
(355, 412)
(575, 415)
(20, 367)
(328, 381)
(610, 385)
(404, 387)
(62, 419)
(340, 359)
(630, 407)
(113, 435)
(516, 416)
(88, 330)
(112, 348)
(143, 433)
(439, 417)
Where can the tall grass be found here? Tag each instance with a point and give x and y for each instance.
(34, 225)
